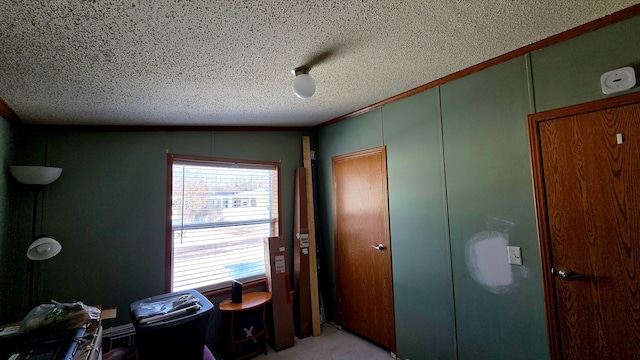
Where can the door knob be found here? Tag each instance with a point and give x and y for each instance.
(569, 275)
(379, 247)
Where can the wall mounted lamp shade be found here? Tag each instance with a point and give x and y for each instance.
(35, 175)
(43, 248)
(303, 84)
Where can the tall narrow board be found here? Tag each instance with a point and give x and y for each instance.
(313, 267)
(302, 299)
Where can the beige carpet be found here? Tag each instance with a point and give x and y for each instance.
(331, 344)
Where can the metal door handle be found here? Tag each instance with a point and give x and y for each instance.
(569, 275)
(379, 247)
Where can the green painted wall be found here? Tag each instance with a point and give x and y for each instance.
(490, 202)
(7, 153)
(108, 207)
(568, 73)
(418, 221)
(460, 191)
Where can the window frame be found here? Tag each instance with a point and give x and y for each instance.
(205, 160)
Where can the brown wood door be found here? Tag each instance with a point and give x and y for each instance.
(591, 167)
(362, 245)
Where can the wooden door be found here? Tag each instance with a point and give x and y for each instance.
(591, 178)
(362, 245)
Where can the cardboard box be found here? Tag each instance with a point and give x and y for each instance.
(280, 312)
(105, 314)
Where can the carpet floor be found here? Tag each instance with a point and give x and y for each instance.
(332, 344)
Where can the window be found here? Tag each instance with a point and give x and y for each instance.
(218, 213)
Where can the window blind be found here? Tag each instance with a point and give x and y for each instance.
(220, 214)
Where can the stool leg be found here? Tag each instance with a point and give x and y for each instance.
(233, 340)
(266, 331)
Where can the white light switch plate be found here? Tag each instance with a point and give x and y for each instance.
(515, 255)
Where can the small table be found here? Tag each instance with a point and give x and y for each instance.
(252, 300)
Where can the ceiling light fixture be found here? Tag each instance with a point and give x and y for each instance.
(303, 85)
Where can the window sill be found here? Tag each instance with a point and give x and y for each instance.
(227, 290)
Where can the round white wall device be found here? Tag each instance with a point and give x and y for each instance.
(618, 80)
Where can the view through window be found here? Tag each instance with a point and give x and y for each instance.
(221, 210)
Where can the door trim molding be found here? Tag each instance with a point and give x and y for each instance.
(544, 241)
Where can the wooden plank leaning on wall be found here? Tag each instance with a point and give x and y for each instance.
(313, 268)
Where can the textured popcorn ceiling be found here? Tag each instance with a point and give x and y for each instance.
(160, 62)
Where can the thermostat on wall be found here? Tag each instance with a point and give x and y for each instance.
(618, 80)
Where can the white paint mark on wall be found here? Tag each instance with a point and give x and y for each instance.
(486, 258)
(487, 263)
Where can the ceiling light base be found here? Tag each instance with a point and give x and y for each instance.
(301, 70)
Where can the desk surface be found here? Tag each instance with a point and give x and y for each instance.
(249, 301)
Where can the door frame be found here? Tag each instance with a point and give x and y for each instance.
(387, 228)
(544, 240)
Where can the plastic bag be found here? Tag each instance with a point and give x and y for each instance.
(59, 316)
